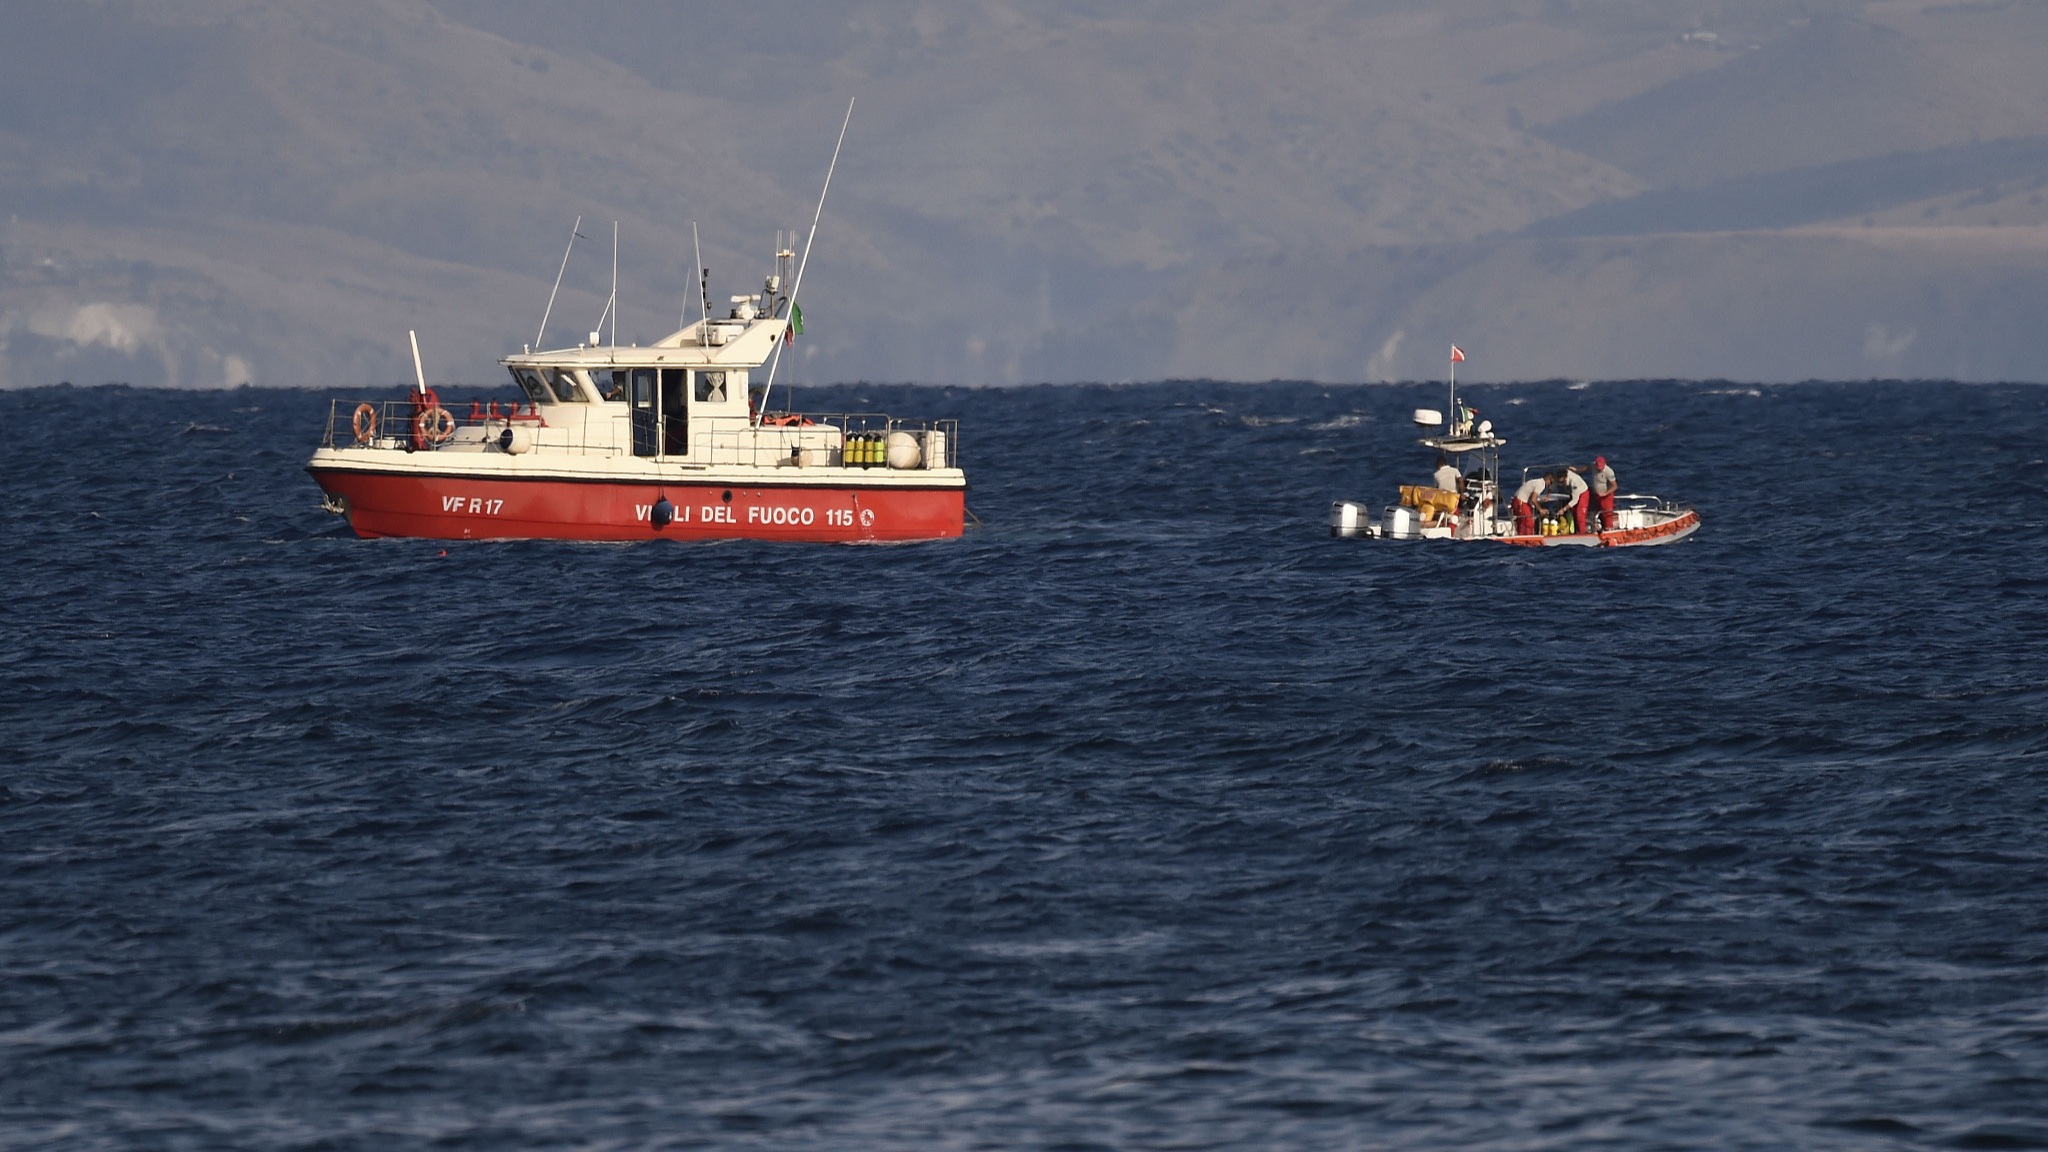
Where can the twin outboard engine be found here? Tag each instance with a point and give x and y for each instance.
(1348, 519)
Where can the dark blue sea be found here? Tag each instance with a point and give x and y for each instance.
(1145, 816)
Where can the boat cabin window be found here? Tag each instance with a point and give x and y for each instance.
(610, 383)
(529, 383)
(564, 383)
(711, 387)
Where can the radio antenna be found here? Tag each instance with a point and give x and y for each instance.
(806, 260)
(703, 291)
(611, 306)
(418, 374)
(575, 230)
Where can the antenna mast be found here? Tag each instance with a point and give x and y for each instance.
(575, 230)
(779, 305)
(611, 306)
(805, 262)
(418, 374)
(703, 290)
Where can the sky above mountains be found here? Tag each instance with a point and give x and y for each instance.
(224, 190)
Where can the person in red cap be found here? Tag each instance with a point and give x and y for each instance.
(1602, 495)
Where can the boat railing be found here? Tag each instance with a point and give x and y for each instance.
(1645, 503)
(402, 424)
(780, 439)
(836, 440)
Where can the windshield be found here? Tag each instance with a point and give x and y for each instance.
(529, 383)
(564, 382)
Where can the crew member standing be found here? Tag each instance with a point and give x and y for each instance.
(1447, 477)
(1603, 492)
(1526, 498)
(1577, 498)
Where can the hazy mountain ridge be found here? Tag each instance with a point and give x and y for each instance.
(277, 191)
(1796, 196)
(1835, 89)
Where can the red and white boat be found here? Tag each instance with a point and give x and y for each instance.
(635, 443)
(639, 443)
(1476, 509)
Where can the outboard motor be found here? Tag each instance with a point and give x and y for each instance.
(1347, 519)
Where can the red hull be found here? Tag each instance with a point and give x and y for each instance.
(1667, 532)
(465, 508)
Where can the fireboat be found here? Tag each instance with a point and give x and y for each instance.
(1474, 510)
(671, 440)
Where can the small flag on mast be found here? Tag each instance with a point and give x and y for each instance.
(1457, 354)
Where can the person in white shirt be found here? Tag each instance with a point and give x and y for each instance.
(1526, 498)
(1447, 477)
(1576, 496)
(1603, 492)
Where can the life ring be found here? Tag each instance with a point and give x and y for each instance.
(366, 423)
(434, 425)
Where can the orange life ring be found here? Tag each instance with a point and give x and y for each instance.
(366, 423)
(434, 425)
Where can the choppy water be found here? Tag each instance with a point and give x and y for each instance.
(1146, 816)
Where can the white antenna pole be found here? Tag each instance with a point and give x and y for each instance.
(615, 284)
(610, 304)
(805, 262)
(574, 231)
(683, 317)
(1454, 388)
(418, 374)
(703, 290)
(776, 361)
